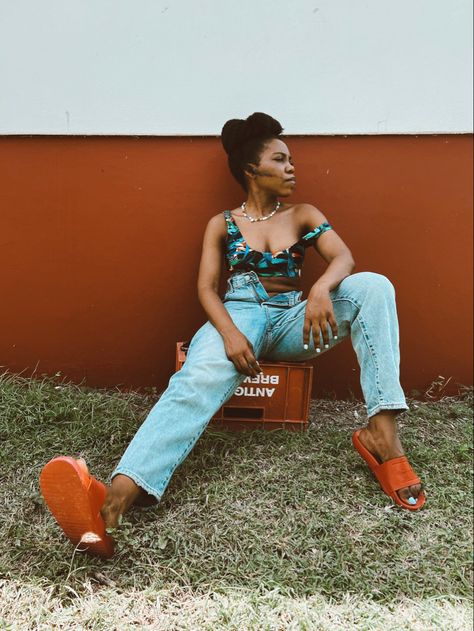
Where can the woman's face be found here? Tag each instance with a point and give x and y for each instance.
(275, 172)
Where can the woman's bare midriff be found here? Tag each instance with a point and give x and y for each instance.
(280, 284)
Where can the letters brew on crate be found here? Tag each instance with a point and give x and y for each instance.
(276, 399)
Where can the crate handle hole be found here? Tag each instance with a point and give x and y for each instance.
(236, 412)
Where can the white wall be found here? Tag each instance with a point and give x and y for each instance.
(178, 67)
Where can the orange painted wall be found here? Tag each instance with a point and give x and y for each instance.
(100, 241)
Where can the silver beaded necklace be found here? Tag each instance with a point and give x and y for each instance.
(244, 212)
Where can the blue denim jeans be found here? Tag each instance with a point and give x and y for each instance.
(364, 308)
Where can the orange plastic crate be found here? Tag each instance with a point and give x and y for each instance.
(277, 399)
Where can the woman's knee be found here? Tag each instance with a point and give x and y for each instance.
(370, 281)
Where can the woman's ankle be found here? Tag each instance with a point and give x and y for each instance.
(382, 430)
(124, 489)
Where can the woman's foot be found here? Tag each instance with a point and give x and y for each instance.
(120, 496)
(381, 439)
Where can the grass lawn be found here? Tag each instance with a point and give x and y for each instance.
(259, 530)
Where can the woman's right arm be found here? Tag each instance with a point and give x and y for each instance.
(238, 348)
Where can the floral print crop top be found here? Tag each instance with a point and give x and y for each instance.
(241, 258)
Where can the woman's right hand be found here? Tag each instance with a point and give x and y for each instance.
(240, 351)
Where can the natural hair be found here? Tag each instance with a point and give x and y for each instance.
(244, 140)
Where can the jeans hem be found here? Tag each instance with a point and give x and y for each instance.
(387, 406)
(138, 480)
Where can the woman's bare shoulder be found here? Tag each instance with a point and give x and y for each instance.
(308, 215)
(218, 220)
(216, 226)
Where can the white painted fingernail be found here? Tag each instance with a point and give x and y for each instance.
(326, 346)
(318, 350)
(335, 337)
(305, 346)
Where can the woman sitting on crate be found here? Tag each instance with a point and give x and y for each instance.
(262, 315)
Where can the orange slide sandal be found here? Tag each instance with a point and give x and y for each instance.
(75, 498)
(392, 475)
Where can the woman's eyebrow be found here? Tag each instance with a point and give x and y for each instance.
(281, 153)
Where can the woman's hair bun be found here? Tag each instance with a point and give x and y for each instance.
(237, 131)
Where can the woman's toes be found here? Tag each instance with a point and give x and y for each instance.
(410, 494)
(405, 494)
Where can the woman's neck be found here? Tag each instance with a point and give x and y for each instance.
(260, 203)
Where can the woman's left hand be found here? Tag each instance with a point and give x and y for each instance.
(319, 314)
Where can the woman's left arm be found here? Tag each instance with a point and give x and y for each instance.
(319, 310)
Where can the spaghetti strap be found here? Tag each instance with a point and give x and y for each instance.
(232, 228)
